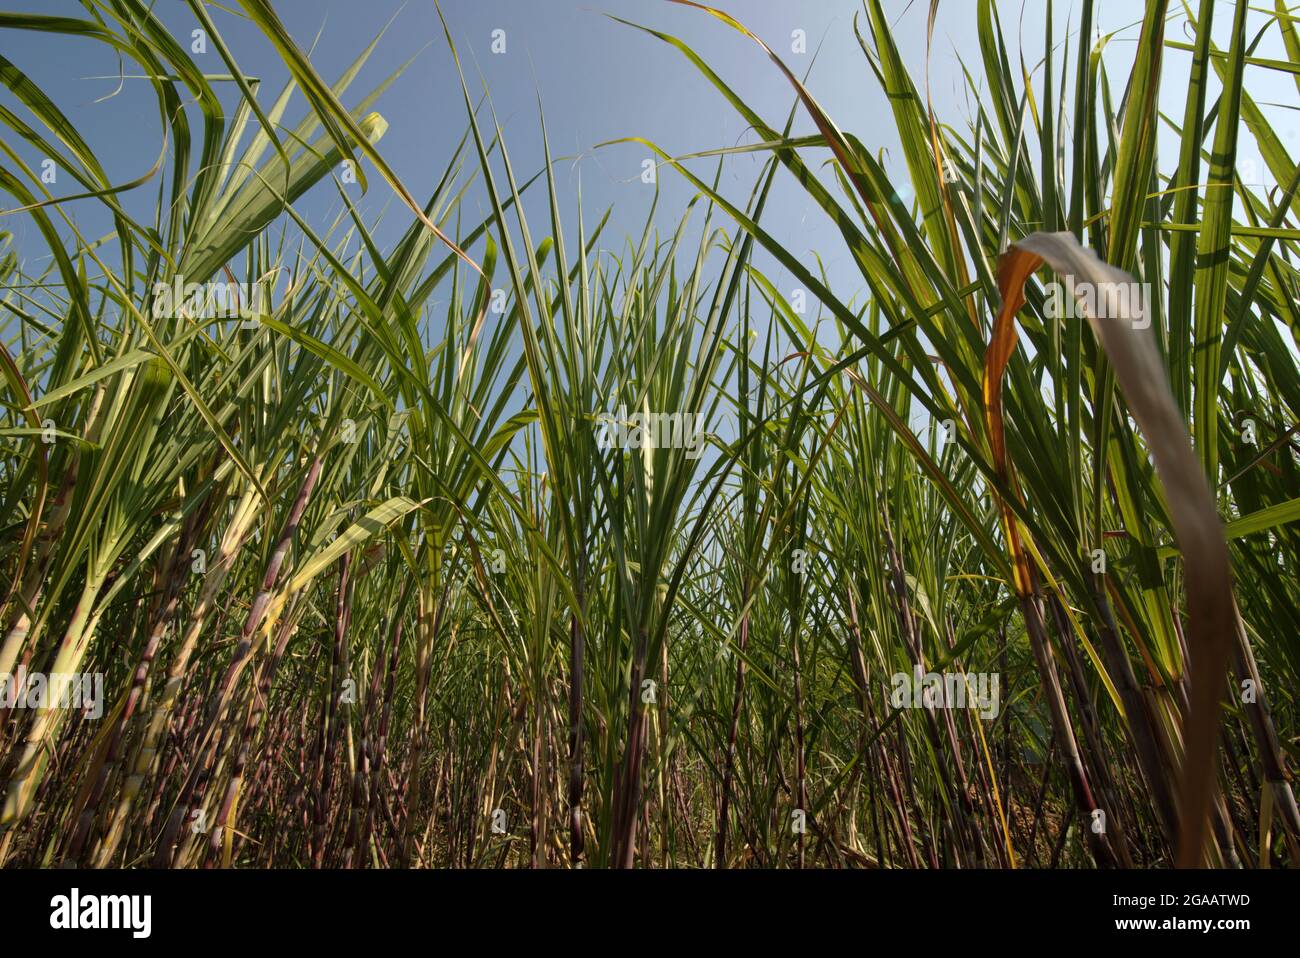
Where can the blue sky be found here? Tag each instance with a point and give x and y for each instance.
(598, 80)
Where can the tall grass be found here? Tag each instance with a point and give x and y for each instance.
(369, 587)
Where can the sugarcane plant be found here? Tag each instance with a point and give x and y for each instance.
(515, 544)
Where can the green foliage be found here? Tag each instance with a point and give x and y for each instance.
(369, 586)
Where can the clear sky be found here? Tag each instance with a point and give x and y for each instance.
(597, 79)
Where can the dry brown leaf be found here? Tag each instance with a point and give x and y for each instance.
(1122, 326)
